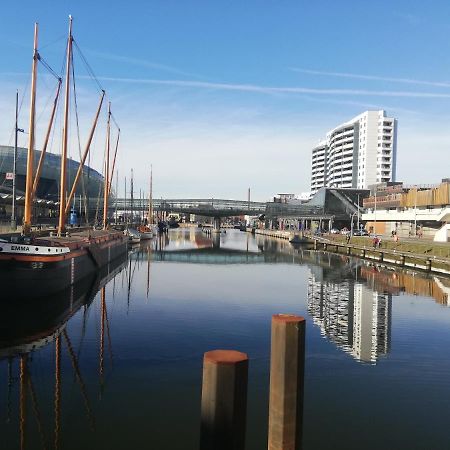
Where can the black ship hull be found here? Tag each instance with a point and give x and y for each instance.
(30, 277)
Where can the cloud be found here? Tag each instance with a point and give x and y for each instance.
(372, 77)
(141, 63)
(276, 90)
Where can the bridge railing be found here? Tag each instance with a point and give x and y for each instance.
(187, 205)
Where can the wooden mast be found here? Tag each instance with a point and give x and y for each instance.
(114, 163)
(106, 186)
(83, 158)
(150, 200)
(63, 182)
(30, 154)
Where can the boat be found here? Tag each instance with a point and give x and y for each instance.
(149, 230)
(145, 231)
(173, 223)
(28, 328)
(299, 239)
(34, 266)
(133, 235)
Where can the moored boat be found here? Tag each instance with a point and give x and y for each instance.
(145, 232)
(36, 266)
(133, 235)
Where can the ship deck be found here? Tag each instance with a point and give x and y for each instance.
(79, 239)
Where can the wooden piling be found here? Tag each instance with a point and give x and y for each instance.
(224, 400)
(287, 363)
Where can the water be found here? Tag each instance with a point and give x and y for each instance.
(377, 360)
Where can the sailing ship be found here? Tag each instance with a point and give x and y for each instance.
(35, 266)
(148, 231)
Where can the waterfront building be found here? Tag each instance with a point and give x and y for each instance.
(409, 210)
(357, 153)
(48, 187)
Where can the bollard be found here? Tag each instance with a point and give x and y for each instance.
(224, 400)
(287, 364)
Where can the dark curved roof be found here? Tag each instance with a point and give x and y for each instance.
(48, 187)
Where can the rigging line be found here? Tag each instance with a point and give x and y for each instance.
(47, 102)
(78, 127)
(47, 66)
(63, 36)
(88, 67)
(100, 185)
(11, 136)
(115, 122)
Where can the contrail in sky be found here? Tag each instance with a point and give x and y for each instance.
(276, 90)
(372, 77)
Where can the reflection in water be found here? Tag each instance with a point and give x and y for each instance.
(56, 360)
(407, 281)
(27, 328)
(352, 315)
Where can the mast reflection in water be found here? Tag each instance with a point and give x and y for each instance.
(30, 327)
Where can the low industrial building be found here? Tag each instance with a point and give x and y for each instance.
(422, 211)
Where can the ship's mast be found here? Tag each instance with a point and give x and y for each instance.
(16, 130)
(63, 182)
(30, 154)
(106, 186)
(150, 202)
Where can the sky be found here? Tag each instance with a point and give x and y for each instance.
(219, 96)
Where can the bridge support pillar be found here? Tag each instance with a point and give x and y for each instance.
(216, 240)
(216, 225)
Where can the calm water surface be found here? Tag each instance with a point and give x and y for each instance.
(116, 362)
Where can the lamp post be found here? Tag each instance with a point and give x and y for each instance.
(351, 222)
(375, 214)
(415, 214)
(358, 212)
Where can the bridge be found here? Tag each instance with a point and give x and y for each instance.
(203, 207)
(328, 204)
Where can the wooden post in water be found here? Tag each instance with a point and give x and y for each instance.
(287, 364)
(224, 400)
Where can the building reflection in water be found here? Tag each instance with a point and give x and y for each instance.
(351, 314)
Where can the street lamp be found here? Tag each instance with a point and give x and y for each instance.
(358, 211)
(351, 222)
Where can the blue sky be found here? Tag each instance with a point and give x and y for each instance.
(223, 95)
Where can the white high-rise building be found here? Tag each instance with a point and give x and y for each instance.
(357, 153)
